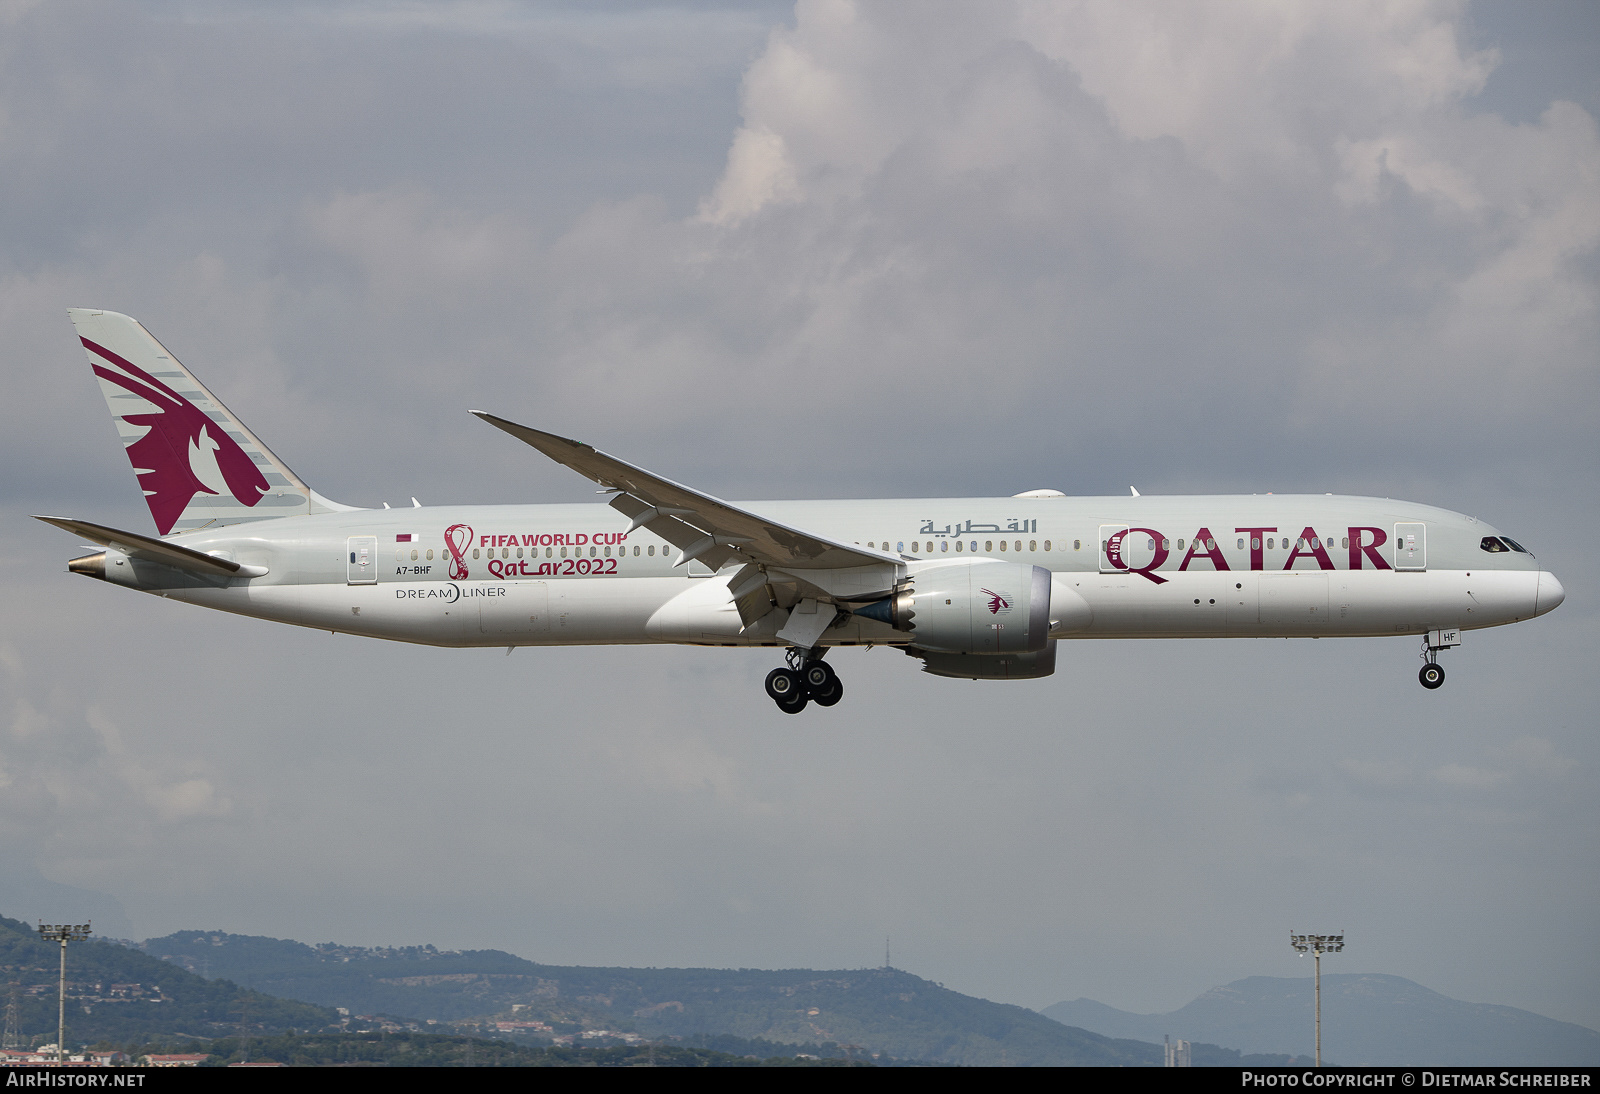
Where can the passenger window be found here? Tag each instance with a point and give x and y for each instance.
(1167, 544)
(900, 545)
(1047, 545)
(563, 552)
(651, 552)
(608, 552)
(988, 546)
(958, 545)
(944, 545)
(474, 552)
(413, 556)
(1002, 544)
(636, 552)
(430, 554)
(519, 552)
(1211, 545)
(1033, 545)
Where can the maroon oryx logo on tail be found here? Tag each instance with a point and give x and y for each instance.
(183, 452)
(997, 603)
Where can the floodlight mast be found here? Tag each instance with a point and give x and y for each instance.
(63, 933)
(1316, 945)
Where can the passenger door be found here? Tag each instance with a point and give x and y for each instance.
(1411, 546)
(363, 565)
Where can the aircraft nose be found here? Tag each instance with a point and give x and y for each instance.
(1550, 594)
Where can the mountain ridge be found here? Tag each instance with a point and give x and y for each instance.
(885, 1010)
(1370, 1019)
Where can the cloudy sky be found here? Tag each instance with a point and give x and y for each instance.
(833, 250)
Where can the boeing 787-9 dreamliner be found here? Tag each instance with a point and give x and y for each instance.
(975, 588)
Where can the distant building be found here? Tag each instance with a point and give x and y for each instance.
(1177, 1053)
(178, 1059)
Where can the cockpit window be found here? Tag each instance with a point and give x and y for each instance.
(1499, 544)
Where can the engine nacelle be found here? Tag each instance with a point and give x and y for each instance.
(982, 606)
(990, 666)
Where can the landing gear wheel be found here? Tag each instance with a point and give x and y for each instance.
(793, 705)
(1431, 676)
(785, 686)
(819, 677)
(831, 697)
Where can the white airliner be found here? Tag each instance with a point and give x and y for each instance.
(976, 588)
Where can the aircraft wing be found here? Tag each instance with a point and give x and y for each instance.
(150, 549)
(701, 526)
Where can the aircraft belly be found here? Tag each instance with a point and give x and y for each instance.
(466, 613)
(1309, 603)
(598, 611)
(584, 611)
(1132, 606)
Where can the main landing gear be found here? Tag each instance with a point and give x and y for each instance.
(1432, 675)
(808, 679)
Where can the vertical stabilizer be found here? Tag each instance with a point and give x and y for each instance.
(196, 462)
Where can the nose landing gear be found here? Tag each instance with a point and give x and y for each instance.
(808, 679)
(1432, 675)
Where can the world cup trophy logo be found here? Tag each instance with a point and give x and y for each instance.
(458, 537)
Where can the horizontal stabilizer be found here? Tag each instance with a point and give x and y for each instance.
(150, 549)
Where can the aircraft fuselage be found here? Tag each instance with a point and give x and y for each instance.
(1145, 567)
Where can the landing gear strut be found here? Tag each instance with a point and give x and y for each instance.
(1432, 675)
(808, 679)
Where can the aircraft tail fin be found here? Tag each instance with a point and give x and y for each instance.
(196, 461)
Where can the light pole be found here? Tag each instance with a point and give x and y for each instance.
(1316, 945)
(63, 933)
